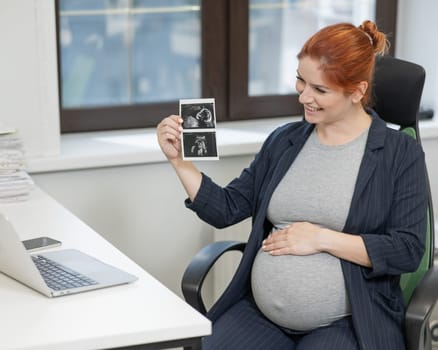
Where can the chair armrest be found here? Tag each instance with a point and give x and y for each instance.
(419, 310)
(199, 267)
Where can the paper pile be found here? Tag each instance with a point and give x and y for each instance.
(15, 183)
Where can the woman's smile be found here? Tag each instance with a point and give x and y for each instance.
(312, 109)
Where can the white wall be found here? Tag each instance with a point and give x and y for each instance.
(28, 71)
(139, 208)
(416, 41)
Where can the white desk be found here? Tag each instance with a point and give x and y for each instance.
(144, 312)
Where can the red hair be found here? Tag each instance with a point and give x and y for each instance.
(347, 54)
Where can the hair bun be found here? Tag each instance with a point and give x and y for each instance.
(377, 38)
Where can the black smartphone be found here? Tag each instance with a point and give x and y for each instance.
(38, 243)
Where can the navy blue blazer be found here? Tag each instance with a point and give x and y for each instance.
(388, 210)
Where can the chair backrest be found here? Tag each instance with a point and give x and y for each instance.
(397, 90)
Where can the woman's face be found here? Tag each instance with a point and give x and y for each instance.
(323, 102)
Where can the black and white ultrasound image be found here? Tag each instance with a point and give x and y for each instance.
(198, 116)
(200, 144)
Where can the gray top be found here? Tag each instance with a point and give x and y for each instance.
(306, 292)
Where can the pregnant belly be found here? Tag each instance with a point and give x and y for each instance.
(299, 292)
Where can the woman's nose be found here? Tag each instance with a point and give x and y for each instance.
(305, 97)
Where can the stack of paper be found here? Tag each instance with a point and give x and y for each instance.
(15, 183)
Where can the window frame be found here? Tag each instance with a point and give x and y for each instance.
(243, 106)
(224, 75)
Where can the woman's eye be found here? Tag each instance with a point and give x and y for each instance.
(321, 91)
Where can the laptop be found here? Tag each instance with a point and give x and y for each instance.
(56, 273)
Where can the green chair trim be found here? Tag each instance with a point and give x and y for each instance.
(410, 280)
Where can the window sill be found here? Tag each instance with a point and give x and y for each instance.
(139, 146)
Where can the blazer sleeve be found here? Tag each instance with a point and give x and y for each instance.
(225, 206)
(400, 247)
(222, 207)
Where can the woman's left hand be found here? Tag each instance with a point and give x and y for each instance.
(299, 238)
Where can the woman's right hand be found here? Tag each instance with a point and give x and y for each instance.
(169, 136)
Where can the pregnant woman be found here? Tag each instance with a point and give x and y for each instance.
(338, 205)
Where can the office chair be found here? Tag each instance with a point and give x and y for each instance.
(397, 91)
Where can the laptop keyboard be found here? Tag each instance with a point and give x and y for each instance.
(59, 277)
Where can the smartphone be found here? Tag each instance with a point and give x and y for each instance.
(40, 243)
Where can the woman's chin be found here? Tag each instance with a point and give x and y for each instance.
(311, 117)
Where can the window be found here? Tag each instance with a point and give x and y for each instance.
(126, 63)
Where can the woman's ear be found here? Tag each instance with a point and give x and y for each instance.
(360, 92)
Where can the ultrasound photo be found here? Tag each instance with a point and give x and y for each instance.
(200, 144)
(198, 115)
(199, 129)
